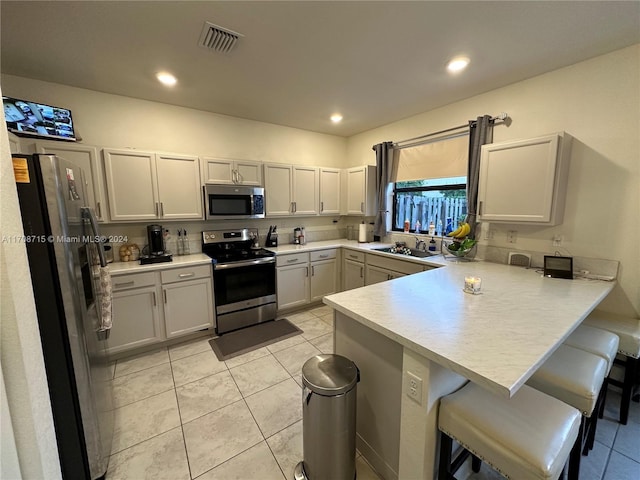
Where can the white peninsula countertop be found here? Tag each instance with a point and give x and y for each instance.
(496, 339)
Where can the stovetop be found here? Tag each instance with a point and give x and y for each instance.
(226, 246)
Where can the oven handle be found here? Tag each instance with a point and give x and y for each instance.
(245, 263)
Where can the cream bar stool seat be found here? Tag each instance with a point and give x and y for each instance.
(628, 330)
(598, 342)
(528, 436)
(575, 377)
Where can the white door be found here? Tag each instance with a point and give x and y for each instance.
(329, 191)
(179, 189)
(353, 274)
(292, 286)
(218, 171)
(86, 157)
(136, 319)
(277, 189)
(131, 184)
(356, 178)
(188, 306)
(248, 173)
(323, 279)
(305, 191)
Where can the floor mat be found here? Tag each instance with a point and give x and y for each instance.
(236, 343)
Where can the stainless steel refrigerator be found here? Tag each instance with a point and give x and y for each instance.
(72, 294)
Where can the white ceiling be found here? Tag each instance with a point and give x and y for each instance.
(299, 62)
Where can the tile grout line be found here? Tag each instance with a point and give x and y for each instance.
(184, 439)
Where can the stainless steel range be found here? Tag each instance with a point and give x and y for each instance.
(244, 278)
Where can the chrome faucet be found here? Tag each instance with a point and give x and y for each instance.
(420, 244)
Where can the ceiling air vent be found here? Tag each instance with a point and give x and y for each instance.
(218, 38)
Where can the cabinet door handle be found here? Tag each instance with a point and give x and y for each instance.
(124, 284)
(161, 209)
(353, 256)
(323, 256)
(389, 277)
(322, 206)
(164, 293)
(362, 207)
(361, 272)
(157, 210)
(99, 210)
(292, 260)
(154, 299)
(307, 271)
(480, 208)
(313, 271)
(187, 275)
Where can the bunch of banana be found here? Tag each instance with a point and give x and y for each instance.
(462, 231)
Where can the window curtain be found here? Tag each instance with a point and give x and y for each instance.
(384, 176)
(480, 133)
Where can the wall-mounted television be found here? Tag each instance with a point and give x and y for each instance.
(30, 119)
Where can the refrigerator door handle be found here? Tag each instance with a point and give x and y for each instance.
(91, 216)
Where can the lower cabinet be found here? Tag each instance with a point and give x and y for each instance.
(303, 278)
(377, 274)
(150, 307)
(187, 295)
(353, 269)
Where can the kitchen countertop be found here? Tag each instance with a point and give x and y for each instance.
(121, 268)
(496, 339)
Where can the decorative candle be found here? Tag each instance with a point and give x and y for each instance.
(472, 284)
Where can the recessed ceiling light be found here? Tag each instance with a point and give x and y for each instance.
(166, 79)
(457, 64)
(336, 118)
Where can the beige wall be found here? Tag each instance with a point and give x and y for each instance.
(115, 121)
(598, 103)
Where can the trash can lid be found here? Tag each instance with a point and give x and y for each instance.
(329, 374)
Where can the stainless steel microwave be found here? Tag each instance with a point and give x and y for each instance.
(233, 201)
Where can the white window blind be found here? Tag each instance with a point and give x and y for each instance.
(439, 159)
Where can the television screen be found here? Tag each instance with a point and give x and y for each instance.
(37, 120)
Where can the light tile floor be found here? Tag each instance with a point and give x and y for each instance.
(182, 414)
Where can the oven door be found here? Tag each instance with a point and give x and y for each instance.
(245, 293)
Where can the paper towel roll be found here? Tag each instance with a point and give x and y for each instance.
(362, 233)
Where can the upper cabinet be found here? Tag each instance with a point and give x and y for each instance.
(150, 186)
(14, 143)
(86, 157)
(524, 181)
(330, 191)
(290, 190)
(232, 172)
(361, 191)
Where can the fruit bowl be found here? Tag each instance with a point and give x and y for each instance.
(460, 248)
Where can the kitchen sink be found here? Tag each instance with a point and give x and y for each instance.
(414, 252)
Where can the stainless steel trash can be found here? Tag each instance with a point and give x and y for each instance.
(328, 419)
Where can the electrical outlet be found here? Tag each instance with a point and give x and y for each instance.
(512, 236)
(488, 234)
(414, 387)
(557, 240)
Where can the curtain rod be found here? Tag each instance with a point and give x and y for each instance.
(502, 117)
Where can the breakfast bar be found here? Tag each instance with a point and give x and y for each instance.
(420, 337)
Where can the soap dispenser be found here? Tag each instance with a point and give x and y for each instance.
(432, 245)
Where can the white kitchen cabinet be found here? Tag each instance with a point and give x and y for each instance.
(15, 144)
(232, 172)
(381, 268)
(150, 186)
(353, 269)
(86, 157)
(187, 300)
(291, 190)
(305, 191)
(278, 180)
(135, 312)
(324, 274)
(330, 191)
(360, 191)
(524, 181)
(292, 280)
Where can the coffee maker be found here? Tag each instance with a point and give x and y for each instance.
(156, 251)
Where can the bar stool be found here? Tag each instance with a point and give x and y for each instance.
(598, 342)
(575, 377)
(528, 436)
(628, 330)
